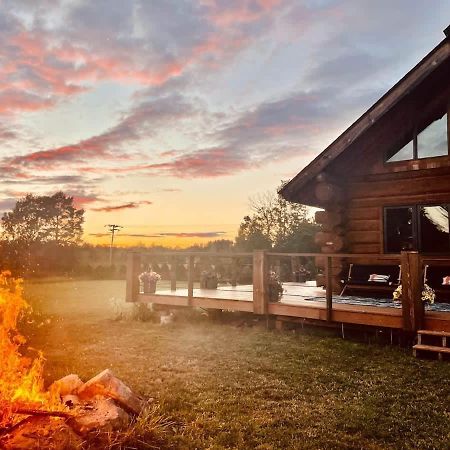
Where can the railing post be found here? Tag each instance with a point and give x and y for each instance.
(234, 263)
(412, 285)
(133, 271)
(260, 282)
(329, 288)
(190, 279)
(173, 273)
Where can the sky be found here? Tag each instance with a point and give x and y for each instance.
(166, 116)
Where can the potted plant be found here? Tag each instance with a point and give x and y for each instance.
(301, 274)
(275, 287)
(208, 279)
(428, 295)
(148, 281)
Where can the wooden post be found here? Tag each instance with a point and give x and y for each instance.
(412, 285)
(329, 288)
(260, 282)
(234, 271)
(133, 271)
(190, 279)
(173, 273)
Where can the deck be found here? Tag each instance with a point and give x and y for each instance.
(303, 300)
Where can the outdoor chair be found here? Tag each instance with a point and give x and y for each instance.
(372, 278)
(436, 277)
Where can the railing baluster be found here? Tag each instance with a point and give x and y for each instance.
(173, 273)
(329, 288)
(190, 278)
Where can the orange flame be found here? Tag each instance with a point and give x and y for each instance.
(21, 378)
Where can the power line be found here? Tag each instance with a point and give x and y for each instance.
(113, 228)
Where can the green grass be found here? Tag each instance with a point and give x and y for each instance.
(220, 386)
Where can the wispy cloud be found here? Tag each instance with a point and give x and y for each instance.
(129, 205)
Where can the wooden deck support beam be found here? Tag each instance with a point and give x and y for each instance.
(260, 282)
(133, 271)
(412, 285)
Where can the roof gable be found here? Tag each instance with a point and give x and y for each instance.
(438, 58)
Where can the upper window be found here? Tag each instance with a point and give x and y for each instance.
(430, 142)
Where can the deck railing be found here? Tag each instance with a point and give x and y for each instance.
(259, 264)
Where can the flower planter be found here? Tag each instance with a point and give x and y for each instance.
(275, 293)
(149, 287)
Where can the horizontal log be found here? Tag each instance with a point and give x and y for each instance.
(364, 225)
(400, 199)
(413, 186)
(333, 247)
(364, 248)
(327, 193)
(329, 218)
(354, 213)
(363, 237)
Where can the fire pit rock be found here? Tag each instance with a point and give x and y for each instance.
(102, 414)
(107, 385)
(102, 405)
(67, 385)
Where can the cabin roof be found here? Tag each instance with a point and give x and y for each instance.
(292, 190)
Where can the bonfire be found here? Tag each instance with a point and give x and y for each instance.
(21, 378)
(33, 417)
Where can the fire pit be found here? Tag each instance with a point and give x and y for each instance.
(66, 414)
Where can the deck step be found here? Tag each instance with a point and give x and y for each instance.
(434, 333)
(432, 348)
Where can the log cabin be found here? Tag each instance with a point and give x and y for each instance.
(384, 184)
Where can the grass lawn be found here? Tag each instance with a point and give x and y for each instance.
(227, 387)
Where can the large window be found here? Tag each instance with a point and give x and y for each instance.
(419, 227)
(430, 142)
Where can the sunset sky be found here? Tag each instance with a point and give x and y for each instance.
(165, 116)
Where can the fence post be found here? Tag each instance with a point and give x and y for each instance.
(412, 285)
(260, 282)
(173, 273)
(133, 271)
(190, 279)
(329, 288)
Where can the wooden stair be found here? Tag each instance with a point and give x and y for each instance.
(443, 349)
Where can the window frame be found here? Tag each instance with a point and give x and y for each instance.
(416, 226)
(415, 144)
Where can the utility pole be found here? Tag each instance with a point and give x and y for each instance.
(112, 229)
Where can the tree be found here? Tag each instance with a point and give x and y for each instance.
(40, 232)
(276, 224)
(44, 219)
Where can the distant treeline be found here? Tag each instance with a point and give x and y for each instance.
(42, 236)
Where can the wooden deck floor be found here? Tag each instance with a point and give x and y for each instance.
(300, 301)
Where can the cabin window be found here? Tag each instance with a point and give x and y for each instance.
(398, 229)
(430, 142)
(434, 229)
(420, 227)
